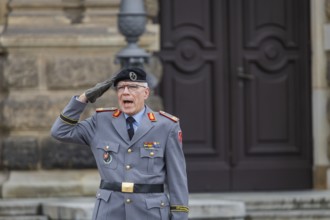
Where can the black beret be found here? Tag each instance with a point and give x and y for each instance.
(133, 74)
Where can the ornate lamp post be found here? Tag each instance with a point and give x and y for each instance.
(132, 20)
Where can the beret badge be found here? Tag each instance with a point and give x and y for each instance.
(132, 76)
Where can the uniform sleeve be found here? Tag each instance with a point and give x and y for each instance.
(67, 127)
(176, 175)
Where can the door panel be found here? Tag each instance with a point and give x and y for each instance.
(195, 86)
(272, 117)
(236, 72)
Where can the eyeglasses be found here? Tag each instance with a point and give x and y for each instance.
(131, 88)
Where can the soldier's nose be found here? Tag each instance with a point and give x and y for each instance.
(126, 90)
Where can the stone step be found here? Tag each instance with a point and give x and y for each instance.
(70, 208)
(299, 205)
(20, 207)
(290, 201)
(82, 209)
(289, 215)
(55, 183)
(28, 217)
(303, 205)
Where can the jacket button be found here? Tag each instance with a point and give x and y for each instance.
(162, 204)
(129, 150)
(98, 195)
(128, 167)
(128, 201)
(152, 153)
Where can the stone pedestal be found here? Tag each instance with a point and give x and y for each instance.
(51, 50)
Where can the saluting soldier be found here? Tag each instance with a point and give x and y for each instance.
(137, 151)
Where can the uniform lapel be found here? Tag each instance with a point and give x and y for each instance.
(121, 127)
(144, 127)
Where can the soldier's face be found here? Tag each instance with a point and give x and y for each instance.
(131, 96)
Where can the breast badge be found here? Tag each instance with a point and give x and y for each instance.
(107, 158)
(151, 145)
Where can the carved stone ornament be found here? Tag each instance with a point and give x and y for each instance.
(327, 8)
(3, 12)
(76, 11)
(151, 7)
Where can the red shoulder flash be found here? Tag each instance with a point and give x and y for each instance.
(169, 116)
(116, 113)
(111, 109)
(180, 136)
(152, 117)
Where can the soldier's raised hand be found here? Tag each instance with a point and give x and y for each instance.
(98, 90)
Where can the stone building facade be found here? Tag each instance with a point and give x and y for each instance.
(53, 49)
(49, 51)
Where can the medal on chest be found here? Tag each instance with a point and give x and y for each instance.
(151, 145)
(107, 158)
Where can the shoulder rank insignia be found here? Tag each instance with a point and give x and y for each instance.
(167, 115)
(111, 109)
(152, 117)
(116, 113)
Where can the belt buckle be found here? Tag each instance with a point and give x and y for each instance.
(127, 187)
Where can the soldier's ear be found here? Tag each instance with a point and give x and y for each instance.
(146, 93)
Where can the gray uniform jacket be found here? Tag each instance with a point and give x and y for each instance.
(153, 156)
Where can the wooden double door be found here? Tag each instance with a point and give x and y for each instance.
(237, 74)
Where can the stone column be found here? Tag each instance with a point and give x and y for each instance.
(54, 49)
(3, 131)
(320, 95)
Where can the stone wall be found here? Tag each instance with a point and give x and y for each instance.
(320, 40)
(51, 50)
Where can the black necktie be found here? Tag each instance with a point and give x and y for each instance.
(130, 120)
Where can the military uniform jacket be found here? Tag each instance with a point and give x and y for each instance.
(153, 156)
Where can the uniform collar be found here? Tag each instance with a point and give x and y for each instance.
(145, 126)
(138, 116)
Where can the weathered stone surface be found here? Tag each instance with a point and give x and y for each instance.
(75, 12)
(155, 103)
(4, 175)
(81, 208)
(46, 60)
(213, 209)
(21, 72)
(327, 9)
(3, 12)
(152, 7)
(30, 14)
(27, 217)
(75, 209)
(1, 155)
(58, 183)
(19, 207)
(55, 154)
(20, 153)
(28, 111)
(320, 177)
(2, 83)
(3, 129)
(75, 72)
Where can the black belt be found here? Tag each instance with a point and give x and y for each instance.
(128, 187)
